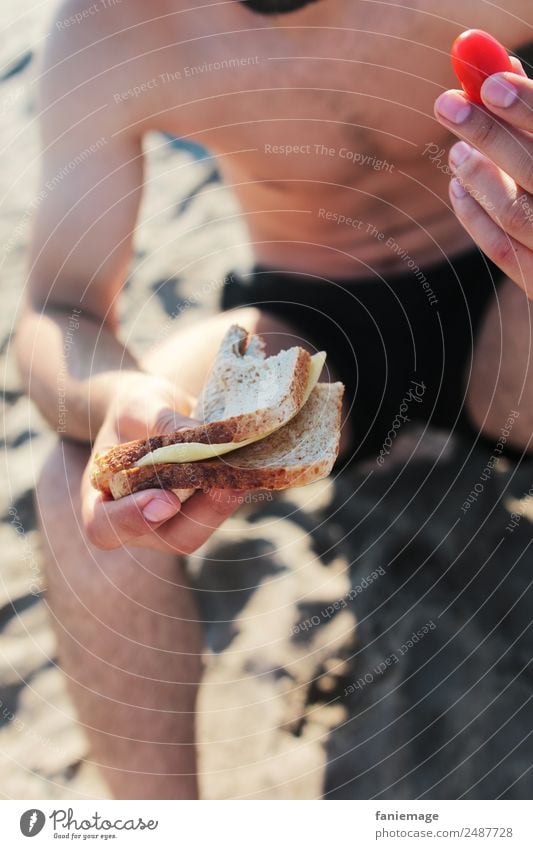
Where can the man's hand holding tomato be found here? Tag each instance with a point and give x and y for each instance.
(492, 188)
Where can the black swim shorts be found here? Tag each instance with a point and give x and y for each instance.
(402, 345)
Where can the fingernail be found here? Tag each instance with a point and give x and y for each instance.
(458, 190)
(459, 153)
(158, 510)
(453, 107)
(499, 92)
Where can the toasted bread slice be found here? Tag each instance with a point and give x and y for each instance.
(246, 395)
(302, 451)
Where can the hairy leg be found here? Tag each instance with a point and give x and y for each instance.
(129, 643)
(502, 375)
(126, 623)
(128, 636)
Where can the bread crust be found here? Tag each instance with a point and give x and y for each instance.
(235, 344)
(273, 463)
(206, 475)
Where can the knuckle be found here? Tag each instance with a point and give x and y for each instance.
(484, 132)
(502, 250)
(167, 420)
(526, 171)
(474, 168)
(515, 219)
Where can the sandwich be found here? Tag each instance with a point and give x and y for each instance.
(266, 423)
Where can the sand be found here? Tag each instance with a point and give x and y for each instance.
(367, 636)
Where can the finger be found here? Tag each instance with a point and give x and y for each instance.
(511, 97)
(110, 524)
(168, 420)
(199, 517)
(495, 192)
(511, 149)
(157, 418)
(513, 258)
(146, 407)
(518, 68)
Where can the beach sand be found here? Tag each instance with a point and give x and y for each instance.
(315, 684)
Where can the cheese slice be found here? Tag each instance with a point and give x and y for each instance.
(191, 452)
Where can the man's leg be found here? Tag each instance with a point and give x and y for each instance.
(196, 345)
(125, 620)
(129, 643)
(502, 374)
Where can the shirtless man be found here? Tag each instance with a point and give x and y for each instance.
(321, 116)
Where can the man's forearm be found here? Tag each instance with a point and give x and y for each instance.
(71, 364)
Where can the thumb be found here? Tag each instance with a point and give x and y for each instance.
(167, 420)
(145, 407)
(171, 408)
(162, 406)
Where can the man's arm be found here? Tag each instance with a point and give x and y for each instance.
(86, 209)
(86, 212)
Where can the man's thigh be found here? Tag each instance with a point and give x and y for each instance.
(187, 355)
(501, 381)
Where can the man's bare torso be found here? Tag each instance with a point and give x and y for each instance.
(322, 119)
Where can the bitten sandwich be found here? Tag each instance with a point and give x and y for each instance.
(266, 424)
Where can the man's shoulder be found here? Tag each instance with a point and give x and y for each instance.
(71, 14)
(124, 21)
(81, 23)
(108, 52)
(84, 31)
(88, 53)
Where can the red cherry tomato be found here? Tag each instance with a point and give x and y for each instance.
(476, 55)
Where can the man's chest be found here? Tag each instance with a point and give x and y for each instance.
(356, 87)
(363, 83)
